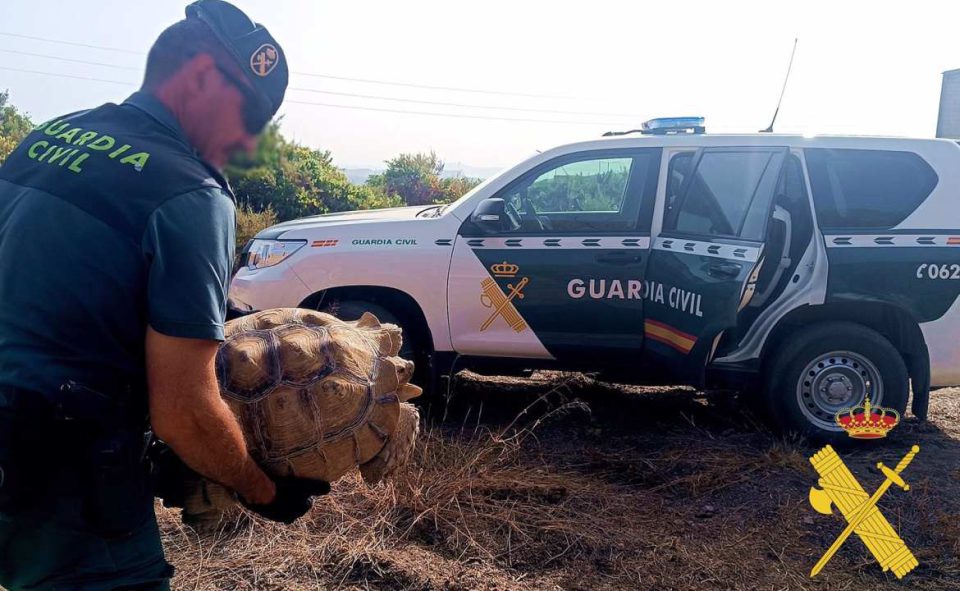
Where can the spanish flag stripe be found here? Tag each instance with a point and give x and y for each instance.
(669, 336)
(664, 326)
(668, 342)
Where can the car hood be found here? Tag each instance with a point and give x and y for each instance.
(346, 217)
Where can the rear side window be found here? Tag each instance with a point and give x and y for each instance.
(867, 189)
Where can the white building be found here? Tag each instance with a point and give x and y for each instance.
(948, 122)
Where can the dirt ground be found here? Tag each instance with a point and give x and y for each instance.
(562, 482)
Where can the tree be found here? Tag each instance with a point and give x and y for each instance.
(296, 181)
(413, 177)
(416, 179)
(456, 187)
(14, 126)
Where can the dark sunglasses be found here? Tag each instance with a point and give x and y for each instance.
(255, 116)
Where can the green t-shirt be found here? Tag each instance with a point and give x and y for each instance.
(94, 249)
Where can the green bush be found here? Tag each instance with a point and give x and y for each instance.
(14, 126)
(416, 179)
(296, 181)
(249, 222)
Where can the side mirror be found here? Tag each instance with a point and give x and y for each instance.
(491, 216)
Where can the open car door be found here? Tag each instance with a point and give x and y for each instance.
(717, 206)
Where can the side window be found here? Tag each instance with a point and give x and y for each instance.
(788, 193)
(867, 189)
(587, 194)
(679, 171)
(595, 186)
(720, 192)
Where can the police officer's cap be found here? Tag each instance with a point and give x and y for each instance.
(258, 54)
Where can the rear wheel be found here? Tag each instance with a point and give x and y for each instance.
(828, 367)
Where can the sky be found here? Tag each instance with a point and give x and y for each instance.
(577, 69)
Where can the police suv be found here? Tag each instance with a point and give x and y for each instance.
(812, 271)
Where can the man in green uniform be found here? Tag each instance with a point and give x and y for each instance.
(116, 247)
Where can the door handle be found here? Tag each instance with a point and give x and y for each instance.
(620, 257)
(724, 270)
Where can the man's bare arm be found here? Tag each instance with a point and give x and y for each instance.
(186, 411)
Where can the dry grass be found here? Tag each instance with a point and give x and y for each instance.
(468, 498)
(650, 489)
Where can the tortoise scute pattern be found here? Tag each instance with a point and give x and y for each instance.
(316, 397)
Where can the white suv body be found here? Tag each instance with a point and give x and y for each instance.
(709, 258)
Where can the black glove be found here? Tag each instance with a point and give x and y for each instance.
(293, 499)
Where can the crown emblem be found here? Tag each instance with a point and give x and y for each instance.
(867, 421)
(505, 269)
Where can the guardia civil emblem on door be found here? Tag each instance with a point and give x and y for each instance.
(501, 303)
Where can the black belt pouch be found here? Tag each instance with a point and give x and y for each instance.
(117, 495)
(24, 461)
(10, 470)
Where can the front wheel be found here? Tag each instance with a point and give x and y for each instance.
(828, 367)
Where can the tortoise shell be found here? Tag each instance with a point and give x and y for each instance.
(315, 396)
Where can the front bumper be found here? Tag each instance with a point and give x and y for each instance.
(272, 287)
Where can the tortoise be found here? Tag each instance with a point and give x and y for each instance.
(315, 397)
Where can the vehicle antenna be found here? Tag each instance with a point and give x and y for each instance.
(783, 90)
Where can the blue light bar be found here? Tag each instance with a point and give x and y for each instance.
(671, 125)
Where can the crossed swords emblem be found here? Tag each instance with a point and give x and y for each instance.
(502, 304)
(839, 488)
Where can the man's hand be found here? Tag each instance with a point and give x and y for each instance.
(186, 411)
(293, 499)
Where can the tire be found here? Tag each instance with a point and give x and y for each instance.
(826, 367)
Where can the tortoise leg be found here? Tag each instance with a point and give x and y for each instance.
(398, 449)
(205, 504)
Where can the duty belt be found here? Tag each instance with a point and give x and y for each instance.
(77, 442)
(122, 404)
